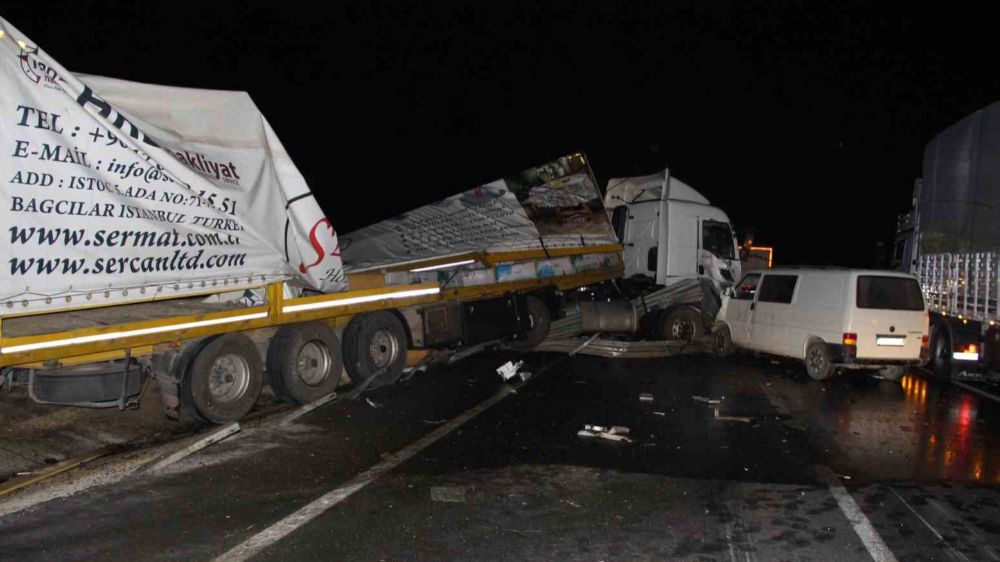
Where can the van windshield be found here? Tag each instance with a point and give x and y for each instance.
(889, 293)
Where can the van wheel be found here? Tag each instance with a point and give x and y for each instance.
(722, 342)
(892, 373)
(541, 321)
(303, 362)
(682, 323)
(941, 355)
(817, 361)
(224, 380)
(375, 342)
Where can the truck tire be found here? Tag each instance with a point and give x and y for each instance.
(223, 381)
(817, 360)
(303, 362)
(722, 342)
(375, 342)
(541, 321)
(941, 354)
(683, 323)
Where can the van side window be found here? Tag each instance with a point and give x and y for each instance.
(777, 288)
(747, 287)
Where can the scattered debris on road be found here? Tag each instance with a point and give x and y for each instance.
(20, 482)
(722, 417)
(645, 397)
(716, 404)
(448, 494)
(618, 433)
(434, 422)
(372, 403)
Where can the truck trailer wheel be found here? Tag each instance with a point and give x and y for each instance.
(722, 342)
(817, 361)
(303, 362)
(682, 323)
(941, 354)
(224, 380)
(375, 342)
(541, 321)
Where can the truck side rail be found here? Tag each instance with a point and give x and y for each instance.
(111, 341)
(964, 285)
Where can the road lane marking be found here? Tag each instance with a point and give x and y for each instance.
(877, 548)
(317, 507)
(927, 524)
(954, 519)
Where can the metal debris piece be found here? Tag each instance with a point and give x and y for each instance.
(372, 403)
(617, 433)
(645, 397)
(509, 369)
(710, 401)
(209, 439)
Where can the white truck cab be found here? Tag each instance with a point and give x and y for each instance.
(670, 232)
(831, 318)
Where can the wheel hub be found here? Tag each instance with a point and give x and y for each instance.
(313, 363)
(384, 349)
(229, 378)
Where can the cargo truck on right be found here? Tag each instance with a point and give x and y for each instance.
(950, 239)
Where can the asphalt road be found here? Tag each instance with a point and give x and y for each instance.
(918, 463)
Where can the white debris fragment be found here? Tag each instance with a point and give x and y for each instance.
(614, 433)
(645, 397)
(509, 369)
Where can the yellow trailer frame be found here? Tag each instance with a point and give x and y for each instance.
(104, 343)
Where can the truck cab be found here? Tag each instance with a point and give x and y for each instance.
(670, 232)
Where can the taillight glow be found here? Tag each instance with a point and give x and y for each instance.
(850, 339)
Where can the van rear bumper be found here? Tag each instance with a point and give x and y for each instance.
(844, 356)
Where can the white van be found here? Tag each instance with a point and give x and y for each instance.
(830, 318)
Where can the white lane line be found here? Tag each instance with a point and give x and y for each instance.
(317, 507)
(927, 524)
(975, 390)
(952, 519)
(862, 526)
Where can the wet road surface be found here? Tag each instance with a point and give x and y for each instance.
(920, 459)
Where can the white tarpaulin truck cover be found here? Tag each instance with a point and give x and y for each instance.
(555, 205)
(119, 191)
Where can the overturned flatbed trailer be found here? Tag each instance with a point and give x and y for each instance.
(161, 232)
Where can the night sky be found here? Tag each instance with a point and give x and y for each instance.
(803, 120)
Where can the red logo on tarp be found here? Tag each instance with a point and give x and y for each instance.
(36, 70)
(318, 246)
